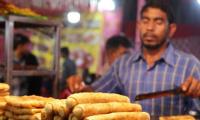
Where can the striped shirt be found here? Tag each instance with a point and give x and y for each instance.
(131, 76)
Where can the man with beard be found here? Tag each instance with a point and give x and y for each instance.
(157, 67)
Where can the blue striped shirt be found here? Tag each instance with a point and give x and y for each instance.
(131, 76)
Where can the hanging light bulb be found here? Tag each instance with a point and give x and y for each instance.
(108, 5)
(73, 17)
(198, 1)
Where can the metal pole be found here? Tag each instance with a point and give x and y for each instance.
(140, 3)
(9, 26)
(56, 60)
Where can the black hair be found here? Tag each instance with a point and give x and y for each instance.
(65, 51)
(162, 5)
(20, 39)
(116, 41)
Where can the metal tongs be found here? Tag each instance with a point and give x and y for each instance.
(159, 94)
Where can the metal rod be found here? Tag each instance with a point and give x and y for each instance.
(9, 49)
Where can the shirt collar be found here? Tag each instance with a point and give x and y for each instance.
(168, 55)
(137, 56)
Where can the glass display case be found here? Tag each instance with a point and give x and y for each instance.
(8, 24)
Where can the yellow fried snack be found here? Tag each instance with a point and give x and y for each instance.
(55, 108)
(2, 104)
(84, 110)
(26, 111)
(89, 97)
(121, 116)
(27, 101)
(4, 87)
(178, 117)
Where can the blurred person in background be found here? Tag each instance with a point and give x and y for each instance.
(68, 69)
(25, 60)
(115, 47)
(158, 66)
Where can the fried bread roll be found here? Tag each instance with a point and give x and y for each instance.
(55, 108)
(36, 116)
(17, 110)
(1, 112)
(27, 101)
(4, 93)
(2, 105)
(178, 117)
(84, 110)
(47, 112)
(4, 87)
(89, 97)
(57, 118)
(3, 117)
(120, 116)
(11, 115)
(60, 108)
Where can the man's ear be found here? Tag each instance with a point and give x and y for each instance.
(172, 29)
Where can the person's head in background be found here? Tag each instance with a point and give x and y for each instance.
(157, 24)
(22, 44)
(64, 51)
(116, 46)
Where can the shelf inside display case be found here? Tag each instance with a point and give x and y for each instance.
(30, 22)
(33, 73)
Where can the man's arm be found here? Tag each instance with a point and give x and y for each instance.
(191, 86)
(107, 83)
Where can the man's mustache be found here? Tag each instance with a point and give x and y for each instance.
(149, 35)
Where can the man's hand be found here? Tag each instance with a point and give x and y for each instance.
(75, 83)
(191, 87)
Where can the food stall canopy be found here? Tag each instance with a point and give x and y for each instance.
(54, 7)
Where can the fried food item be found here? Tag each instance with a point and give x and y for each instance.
(27, 101)
(11, 115)
(89, 97)
(55, 108)
(4, 87)
(1, 112)
(60, 108)
(57, 118)
(4, 93)
(47, 112)
(84, 110)
(26, 111)
(2, 117)
(2, 105)
(178, 117)
(28, 117)
(120, 116)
